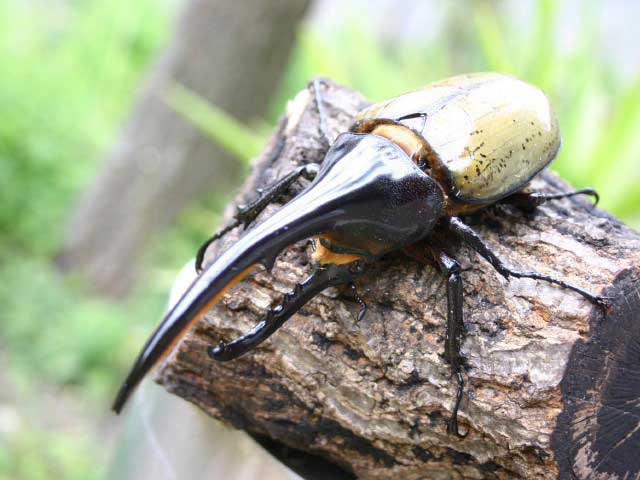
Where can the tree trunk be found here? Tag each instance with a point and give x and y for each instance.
(230, 53)
(551, 383)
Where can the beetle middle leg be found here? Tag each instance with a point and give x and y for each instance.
(248, 213)
(470, 238)
(323, 276)
(433, 253)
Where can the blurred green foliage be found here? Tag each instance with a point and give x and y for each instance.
(70, 71)
(37, 454)
(598, 110)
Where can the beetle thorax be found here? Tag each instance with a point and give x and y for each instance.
(379, 199)
(412, 144)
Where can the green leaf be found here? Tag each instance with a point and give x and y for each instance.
(222, 128)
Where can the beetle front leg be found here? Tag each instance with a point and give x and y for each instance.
(323, 276)
(248, 213)
(473, 240)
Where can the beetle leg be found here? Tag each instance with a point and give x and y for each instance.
(535, 199)
(322, 277)
(429, 253)
(322, 116)
(455, 328)
(356, 295)
(473, 240)
(248, 213)
(422, 115)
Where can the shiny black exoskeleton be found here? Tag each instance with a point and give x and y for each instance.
(382, 187)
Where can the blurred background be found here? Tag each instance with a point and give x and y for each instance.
(126, 127)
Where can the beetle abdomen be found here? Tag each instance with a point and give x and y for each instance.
(490, 133)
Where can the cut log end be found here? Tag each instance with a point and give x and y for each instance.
(551, 382)
(598, 432)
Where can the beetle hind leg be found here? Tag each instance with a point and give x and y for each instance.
(530, 200)
(473, 240)
(323, 276)
(246, 214)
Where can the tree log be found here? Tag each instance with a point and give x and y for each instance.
(551, 381)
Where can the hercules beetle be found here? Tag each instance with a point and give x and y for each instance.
(399, 179)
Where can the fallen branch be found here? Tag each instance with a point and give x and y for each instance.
(545, 369)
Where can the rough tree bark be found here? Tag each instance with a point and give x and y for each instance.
(551, 383)
(230, 53)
